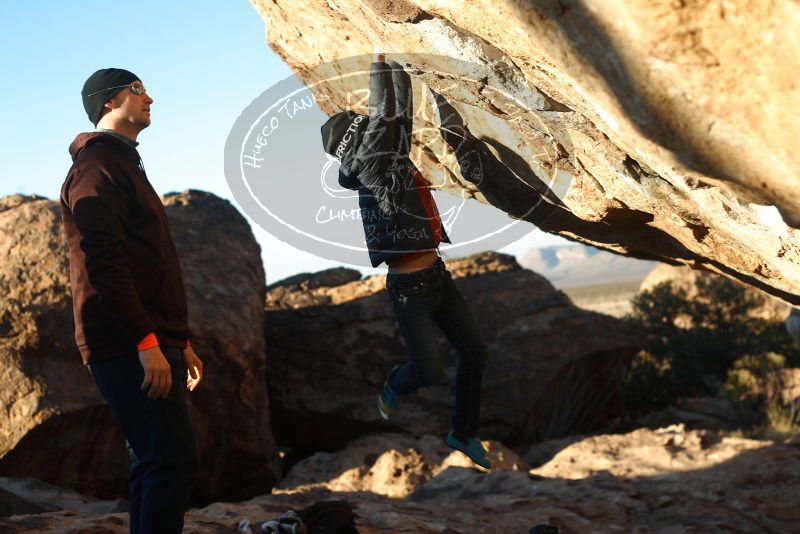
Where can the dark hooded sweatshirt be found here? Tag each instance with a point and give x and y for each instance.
(399, 215)
(124, 271)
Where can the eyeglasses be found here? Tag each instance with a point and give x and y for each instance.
(137, 89)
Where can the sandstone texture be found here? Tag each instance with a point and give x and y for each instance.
(20, 496)
(55, 426)
(663, 480)
(393, 465)
(661, 130)
(224, 278)
(644, 452)
(554, 369)
(49, 406)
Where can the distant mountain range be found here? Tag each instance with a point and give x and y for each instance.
(580, 265)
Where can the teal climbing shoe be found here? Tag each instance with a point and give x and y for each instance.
(472, 447)
(387, 400)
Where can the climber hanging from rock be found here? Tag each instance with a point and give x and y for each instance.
(402, 228)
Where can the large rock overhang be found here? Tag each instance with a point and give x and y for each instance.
(661, 131)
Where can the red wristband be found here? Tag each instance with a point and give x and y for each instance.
(148, 342)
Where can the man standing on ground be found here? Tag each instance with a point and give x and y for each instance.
(129, 301)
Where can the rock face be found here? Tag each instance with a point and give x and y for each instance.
(660, 480)
(49, 405)
(19, 495)
(664, 480)
(50, 408)
(643, 127)
(644, 453)
(387, 464)
(554, 368)
(224, 278)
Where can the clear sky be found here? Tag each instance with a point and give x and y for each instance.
(202, 62)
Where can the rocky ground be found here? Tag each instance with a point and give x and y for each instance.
(664, 480)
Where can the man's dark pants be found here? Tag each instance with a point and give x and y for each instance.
(420, 300)
(160, 439)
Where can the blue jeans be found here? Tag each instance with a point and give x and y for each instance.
(160, 440)
(419, 300)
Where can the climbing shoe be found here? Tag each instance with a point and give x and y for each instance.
(387, 400)
(472, 447)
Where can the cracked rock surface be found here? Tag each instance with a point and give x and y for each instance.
(660, 130)
(663, 480)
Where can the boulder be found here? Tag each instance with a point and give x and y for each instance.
(555, 368)
(645, 452)
(697, 412)
(56, 426)
(49, 404)
(387, 464)
(30, 496)
(225, 284)
(644, 126)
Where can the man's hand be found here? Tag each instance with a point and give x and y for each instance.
(157, 373)
(195, 374)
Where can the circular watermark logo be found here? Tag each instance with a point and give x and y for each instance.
(470, 129)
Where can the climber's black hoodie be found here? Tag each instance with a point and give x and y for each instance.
(124, 271)
(399, 215)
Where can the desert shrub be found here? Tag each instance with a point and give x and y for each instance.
(756, 386)
(692, 343)
(781, 419)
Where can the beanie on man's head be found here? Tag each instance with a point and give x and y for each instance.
(341, 132)
(96, 91)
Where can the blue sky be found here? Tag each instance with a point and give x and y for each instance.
(202, 62)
